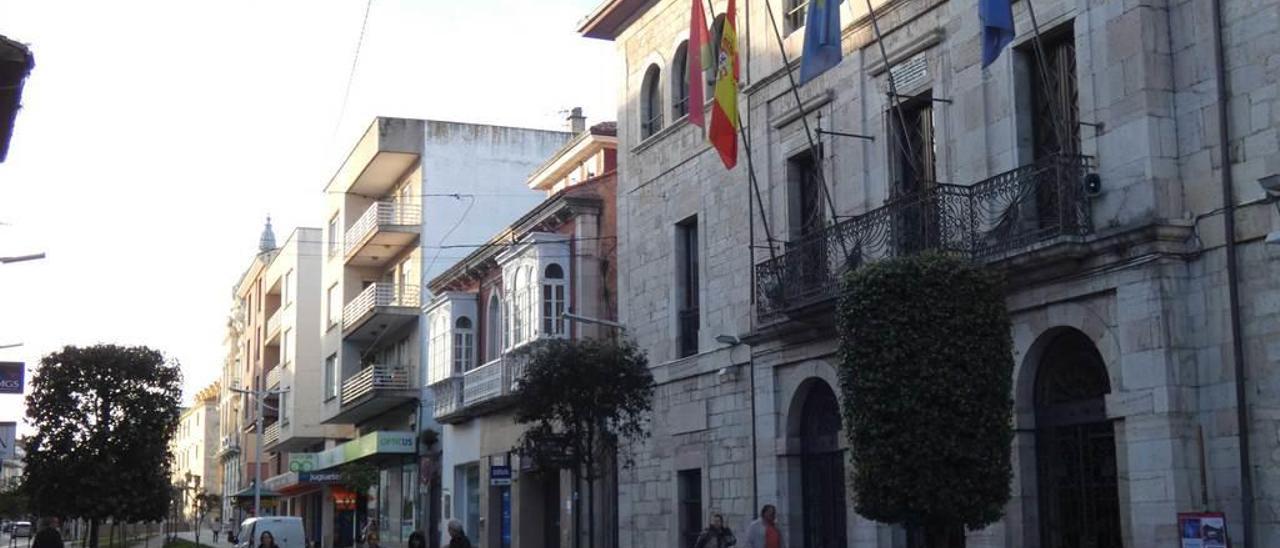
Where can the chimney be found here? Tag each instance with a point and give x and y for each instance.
(577, 122)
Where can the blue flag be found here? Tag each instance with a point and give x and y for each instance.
(997, 28)
(821, 39)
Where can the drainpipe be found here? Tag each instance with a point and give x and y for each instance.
(1233, 283)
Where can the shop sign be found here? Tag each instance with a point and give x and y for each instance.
(499, 475)
(320, 477)
(11, 374)
(1202, 529)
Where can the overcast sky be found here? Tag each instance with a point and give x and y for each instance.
(156, 136)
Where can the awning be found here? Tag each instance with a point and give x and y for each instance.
(247, 492)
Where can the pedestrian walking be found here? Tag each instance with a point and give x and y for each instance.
(763, 532)
(267, 540)
(417, 539)
(370, 533)
(457, 537)
(48, 536)
(716, 535)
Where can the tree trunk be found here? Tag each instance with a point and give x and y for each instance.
(935, 536)
(93, 533)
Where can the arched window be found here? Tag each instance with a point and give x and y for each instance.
(464, 345)
(553, 301)
(519, 290)
(651, 102)
(680, 82)
(493, 329)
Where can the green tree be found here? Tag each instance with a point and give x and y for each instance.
(104, 416)
(926, 373)
(358, 477)
(582, 400)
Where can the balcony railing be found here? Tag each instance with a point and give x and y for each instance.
(380, 214)
(273, 321)
(492, 380)
(986, 221)
(448, 395)
(271, 433)
(273, 376)
(376, 377)
(379, 294)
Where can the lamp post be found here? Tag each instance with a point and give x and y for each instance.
(260, 396)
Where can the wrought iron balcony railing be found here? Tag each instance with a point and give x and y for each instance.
(991, 219)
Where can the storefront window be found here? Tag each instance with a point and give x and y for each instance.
(384, 508)
(408, 475)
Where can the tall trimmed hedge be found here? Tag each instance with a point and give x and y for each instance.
(926, 374)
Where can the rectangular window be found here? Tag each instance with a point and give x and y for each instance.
(331, 380)
(463, 350)
(805, 201)
(916, 226)
(689, 495)
(287, 287)
(335, 308)
(333, 235)
(796, 11)
(284, 346)
(687, 285)
(284, 407)
(1055, 108)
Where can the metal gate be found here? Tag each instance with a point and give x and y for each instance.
(1076, 448)
(822, 470)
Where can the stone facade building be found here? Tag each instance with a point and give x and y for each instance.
(1093, 167)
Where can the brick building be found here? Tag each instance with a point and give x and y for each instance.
(1095, 170)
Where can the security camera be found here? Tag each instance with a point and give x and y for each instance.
(1271, 184)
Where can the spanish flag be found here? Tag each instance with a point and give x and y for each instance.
(724, 109)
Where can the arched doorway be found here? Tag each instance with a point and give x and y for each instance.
(1075, 446)
(822, 469)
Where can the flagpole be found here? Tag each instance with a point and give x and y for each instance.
(1042, 60)
(893, 91)
(804, 119)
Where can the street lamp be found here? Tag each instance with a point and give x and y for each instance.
(261, 396)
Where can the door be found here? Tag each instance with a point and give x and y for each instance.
(822, 470)
(915, 177)
(551, 509)
(1076, 448)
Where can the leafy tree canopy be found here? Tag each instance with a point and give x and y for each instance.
(104, 416)
(581, 399)
(926, 373)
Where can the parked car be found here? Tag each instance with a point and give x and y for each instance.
(286, 530)
(22, 529)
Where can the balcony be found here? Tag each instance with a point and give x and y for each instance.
(393, 306)
(228, 446)
(273, 323)
(271, 434)
(273, 376)
(375, 390)
(488, 386)
(381, 233)
(449, 399)
(992, 220)
(389, 148)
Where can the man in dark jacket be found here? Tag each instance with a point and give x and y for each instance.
(48, 535)
(457, 538)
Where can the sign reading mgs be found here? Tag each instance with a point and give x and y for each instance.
(11, 376)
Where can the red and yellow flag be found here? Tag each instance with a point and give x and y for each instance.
(724, 109)
(698, 60)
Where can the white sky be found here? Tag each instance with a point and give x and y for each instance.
(156, 136)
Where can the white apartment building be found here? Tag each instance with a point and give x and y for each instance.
(406, 193)
(1106, 168)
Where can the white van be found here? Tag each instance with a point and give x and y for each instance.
(286, 530)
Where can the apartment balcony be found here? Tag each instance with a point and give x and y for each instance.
(382, 233)
(273, 324)
(449, 405)
(489, 386)
(273, 376)
(380, 308)
(1027, 208)
(270, 434)
(386, 151)
(374, 390)
(228, 446)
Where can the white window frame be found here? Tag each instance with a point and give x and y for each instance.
(284, 347)
(493, 327)
(554, 302)
(284, 288)
(335, 309)
(331, 373)
(464, 345)
(333, 235)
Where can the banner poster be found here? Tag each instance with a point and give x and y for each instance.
(1203, 530)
